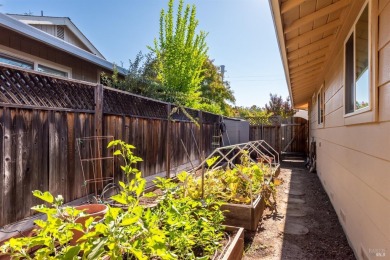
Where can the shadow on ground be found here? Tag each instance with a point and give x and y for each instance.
(305, 225)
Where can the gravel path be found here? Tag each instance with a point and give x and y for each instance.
(305, 225)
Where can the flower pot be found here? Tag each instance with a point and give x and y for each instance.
(97, 211)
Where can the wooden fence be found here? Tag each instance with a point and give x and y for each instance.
(285, 136)
(41, 118)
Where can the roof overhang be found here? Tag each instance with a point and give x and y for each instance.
(62, 21)
(36, 34)
(306, 32)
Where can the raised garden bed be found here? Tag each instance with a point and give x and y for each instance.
(235, 249)
(246, 216)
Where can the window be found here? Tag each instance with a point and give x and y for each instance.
(53, 71)
(16, 62)
(357, 86)
(320, 106)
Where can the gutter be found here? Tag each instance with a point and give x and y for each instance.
(276, 17)
(36, 34)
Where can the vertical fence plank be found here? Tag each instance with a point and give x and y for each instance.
(24, 169)
(72, 184)
(98, 132)
(8, 182)
(58, 154)
(168, 142)
(2, 160)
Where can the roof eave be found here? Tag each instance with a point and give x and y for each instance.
(36, 34)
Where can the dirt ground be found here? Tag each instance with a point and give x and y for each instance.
(305, 225)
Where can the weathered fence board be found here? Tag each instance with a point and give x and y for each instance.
(289, 135)
(43, 119)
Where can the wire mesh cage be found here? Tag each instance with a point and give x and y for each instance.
(97, 166)
(244, 160)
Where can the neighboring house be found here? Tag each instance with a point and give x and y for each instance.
(336, 57)
(51, 45)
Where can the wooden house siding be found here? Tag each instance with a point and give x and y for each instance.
(69, 36)
(81, 70)
(72, 39)
(353, 161)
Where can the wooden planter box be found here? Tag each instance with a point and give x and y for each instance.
(277, 171)
(236, 247)
(246, 216)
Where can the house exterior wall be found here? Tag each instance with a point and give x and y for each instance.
(353, 160)
(12, 42)
(68, 35)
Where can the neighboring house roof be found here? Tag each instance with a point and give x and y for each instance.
(62, 21)
(36, 34)
(308, 35)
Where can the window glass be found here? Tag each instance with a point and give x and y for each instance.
(357, 85)
(320, 106)
(49, 70)
(361, 63)
(16, 62)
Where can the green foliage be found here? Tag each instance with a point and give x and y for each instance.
(215, 93)
(279, 107)
(179, 227)
(180, 54)
(254, 114)
(240, 184)
(124, 150)
(53, 235)
(193, 226)
(141, 78)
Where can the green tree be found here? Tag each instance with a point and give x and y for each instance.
(279, 107)
(180, 54)
(141, 78)
(215, 93)
(254, 114)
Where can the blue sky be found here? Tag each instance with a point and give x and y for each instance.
(240, 36)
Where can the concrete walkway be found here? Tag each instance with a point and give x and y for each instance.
(305, 225)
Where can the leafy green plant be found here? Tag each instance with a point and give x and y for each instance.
(241, 184)
(52, 236)
(179, 227)
(193, 227)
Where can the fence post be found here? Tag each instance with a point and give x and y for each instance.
(98, 121)
(168, 141)
(200, 116)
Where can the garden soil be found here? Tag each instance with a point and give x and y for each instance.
(304, 226)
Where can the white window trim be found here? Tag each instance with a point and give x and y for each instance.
(353, 31)
(35, 60)
(369, 113)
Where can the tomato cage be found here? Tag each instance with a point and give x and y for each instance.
(97, 166)
(233, 156)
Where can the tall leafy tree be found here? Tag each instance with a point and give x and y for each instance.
(279, 107)
(254, 115)
(180, 53)
(215, 93)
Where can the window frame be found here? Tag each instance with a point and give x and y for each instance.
(35, 61)
(53, 68)
(11, 57)
(320, 107)
(367, 114)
